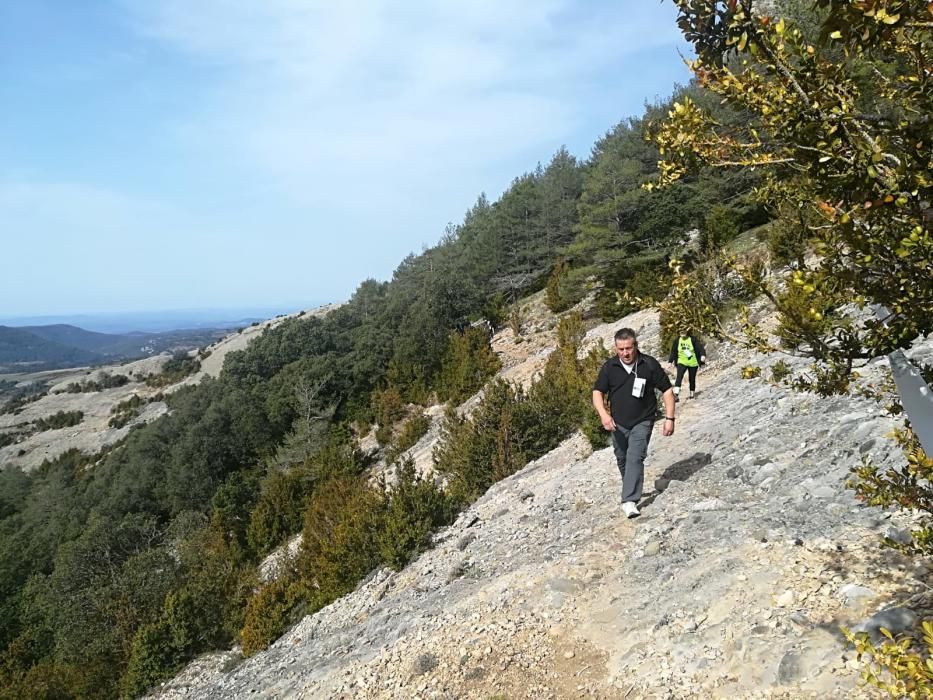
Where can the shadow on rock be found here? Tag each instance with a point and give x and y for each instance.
(682, 470)
(678, 471)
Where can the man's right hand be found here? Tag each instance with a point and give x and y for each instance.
(608, 423)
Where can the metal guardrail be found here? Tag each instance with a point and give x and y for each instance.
(916, 395)
(916, 398)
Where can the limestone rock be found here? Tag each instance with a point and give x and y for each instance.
(895, 620)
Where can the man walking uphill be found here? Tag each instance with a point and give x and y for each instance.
(630, 380)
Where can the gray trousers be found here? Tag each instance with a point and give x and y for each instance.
(631, 447)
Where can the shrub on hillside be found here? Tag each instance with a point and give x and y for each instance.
(477, 452)
(62, 419)
(720, 226)
(204, 613)
(125, 411)
(559, 402)
(555, 294)
(900, 667)
(553, 408)
(495, 309)
(414, 508)
(268, 614)
(339, 540)
(467, 363)
(278, 512)
(105, 381)
(789, 237)
(120, 420)
(154, 656)
(516, 320)
(20, 397)
(349, 528)
(630, 287)
(412, 431)
(780, 371)
(47, 679)
(231, 505)
(510, 426)
(594, 431)
(8, 439)
(174, 370)
(135, 401)
(389, 409)
(338, 457)
(111, 381)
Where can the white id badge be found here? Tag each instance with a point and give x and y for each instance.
(638, 387)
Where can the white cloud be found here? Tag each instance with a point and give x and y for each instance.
(314, 93)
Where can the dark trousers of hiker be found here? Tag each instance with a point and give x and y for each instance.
(631, 447)
(693, 376)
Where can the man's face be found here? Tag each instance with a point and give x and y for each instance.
(626, 349)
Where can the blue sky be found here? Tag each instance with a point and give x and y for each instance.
(161, 154)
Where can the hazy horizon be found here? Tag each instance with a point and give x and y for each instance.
(157, 320)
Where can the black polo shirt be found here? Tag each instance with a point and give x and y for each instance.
(616, 382)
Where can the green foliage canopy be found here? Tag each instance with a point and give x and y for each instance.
(854, 152)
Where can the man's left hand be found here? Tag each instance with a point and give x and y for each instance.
(668, 428)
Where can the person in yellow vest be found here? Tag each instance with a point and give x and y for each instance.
(687, 353)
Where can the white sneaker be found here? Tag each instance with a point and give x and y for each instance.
(630, 509)
(692, 394)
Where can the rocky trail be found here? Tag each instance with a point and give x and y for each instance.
(733, 583)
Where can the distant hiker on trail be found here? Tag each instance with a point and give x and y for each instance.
(630, 380)
(687, 353)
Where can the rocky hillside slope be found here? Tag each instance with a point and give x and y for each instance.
(94, 432)
(734, 583)
(214, 362)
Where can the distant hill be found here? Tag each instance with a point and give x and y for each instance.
(21, 349)
(122, 323)
(78, 337)
(58, 346)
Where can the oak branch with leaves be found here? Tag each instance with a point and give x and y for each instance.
(839, 123)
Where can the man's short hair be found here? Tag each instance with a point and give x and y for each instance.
(625, 334)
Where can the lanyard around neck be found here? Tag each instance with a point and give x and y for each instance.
(634, 370)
